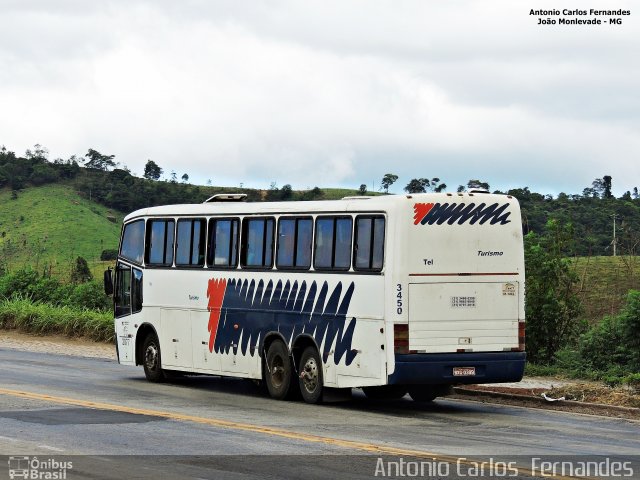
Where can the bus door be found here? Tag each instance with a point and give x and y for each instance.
(175, 340)
(127, 304)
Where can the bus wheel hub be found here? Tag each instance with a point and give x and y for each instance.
(309, 375)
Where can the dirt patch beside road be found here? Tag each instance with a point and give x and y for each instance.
(585, 392)
(56, 344)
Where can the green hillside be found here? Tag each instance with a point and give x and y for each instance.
(604, 283)
(51, 225)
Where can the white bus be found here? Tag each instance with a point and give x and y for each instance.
(392, 294)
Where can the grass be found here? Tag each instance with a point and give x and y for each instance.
(40, 318)
(50, 226)
(338, 193)
(605, 282)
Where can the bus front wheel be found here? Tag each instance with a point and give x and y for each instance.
(278, 370)
(310, 377)
(151, 359)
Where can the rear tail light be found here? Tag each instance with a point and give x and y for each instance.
(401, 338)
(521, 336)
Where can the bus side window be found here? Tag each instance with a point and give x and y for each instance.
(122, 290)
(159, 249)
(303, 245)
(132, 247)
(324, 243)
(342, 254)
(190, 243)
(222, 251)
(369, 243)
(333, 243)
(294, 243)
(257, 242)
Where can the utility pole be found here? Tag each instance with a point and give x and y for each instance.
(614, 216)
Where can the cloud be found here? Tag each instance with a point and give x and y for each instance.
(324, 93)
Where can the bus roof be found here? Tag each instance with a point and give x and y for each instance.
(380, 203)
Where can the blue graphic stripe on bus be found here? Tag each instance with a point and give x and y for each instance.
(439, 213)
(249, 311)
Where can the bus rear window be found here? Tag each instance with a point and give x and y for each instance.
(132, 247)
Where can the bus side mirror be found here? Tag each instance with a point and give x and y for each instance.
(108, 282)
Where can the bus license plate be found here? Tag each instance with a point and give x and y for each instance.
(464, 371)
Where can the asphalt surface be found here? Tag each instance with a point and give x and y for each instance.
(95, 411)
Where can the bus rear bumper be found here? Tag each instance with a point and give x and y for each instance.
(437, 368)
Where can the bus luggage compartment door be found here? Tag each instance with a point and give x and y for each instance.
(471, 317)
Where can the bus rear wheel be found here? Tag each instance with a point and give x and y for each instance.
(310, 377)
(278, 370)
(385, 392)
(428, 393)
(151, 359)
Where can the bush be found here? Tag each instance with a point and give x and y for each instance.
(80, 272)
(108, 255)
(630, 322)
(18, 283)
(609, 351)
(29, 316)
(27, 284)
(90, 296)
(602, 346)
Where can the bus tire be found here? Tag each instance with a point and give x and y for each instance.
(310, 378)
(151, 359)
(428, 393)
(385, 392)
(278, 370)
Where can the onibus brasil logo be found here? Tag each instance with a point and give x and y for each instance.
(37, 469)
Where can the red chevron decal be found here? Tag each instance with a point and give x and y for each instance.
(420, 211)
(215, 292)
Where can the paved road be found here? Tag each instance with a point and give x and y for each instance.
(54, 405)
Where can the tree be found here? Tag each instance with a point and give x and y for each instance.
(80, 272)
(363, 189)
(417, 185)
(38, 153)
(174, 177)
(423, 185)
(477, 184)
(552, 305)
(606, 183)
(631, 326)
(286, 192)
(152, 170)
(97, 161)
(388, 180)
(440, 188)
(185, 178)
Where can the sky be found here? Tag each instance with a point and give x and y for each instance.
(332, 93)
